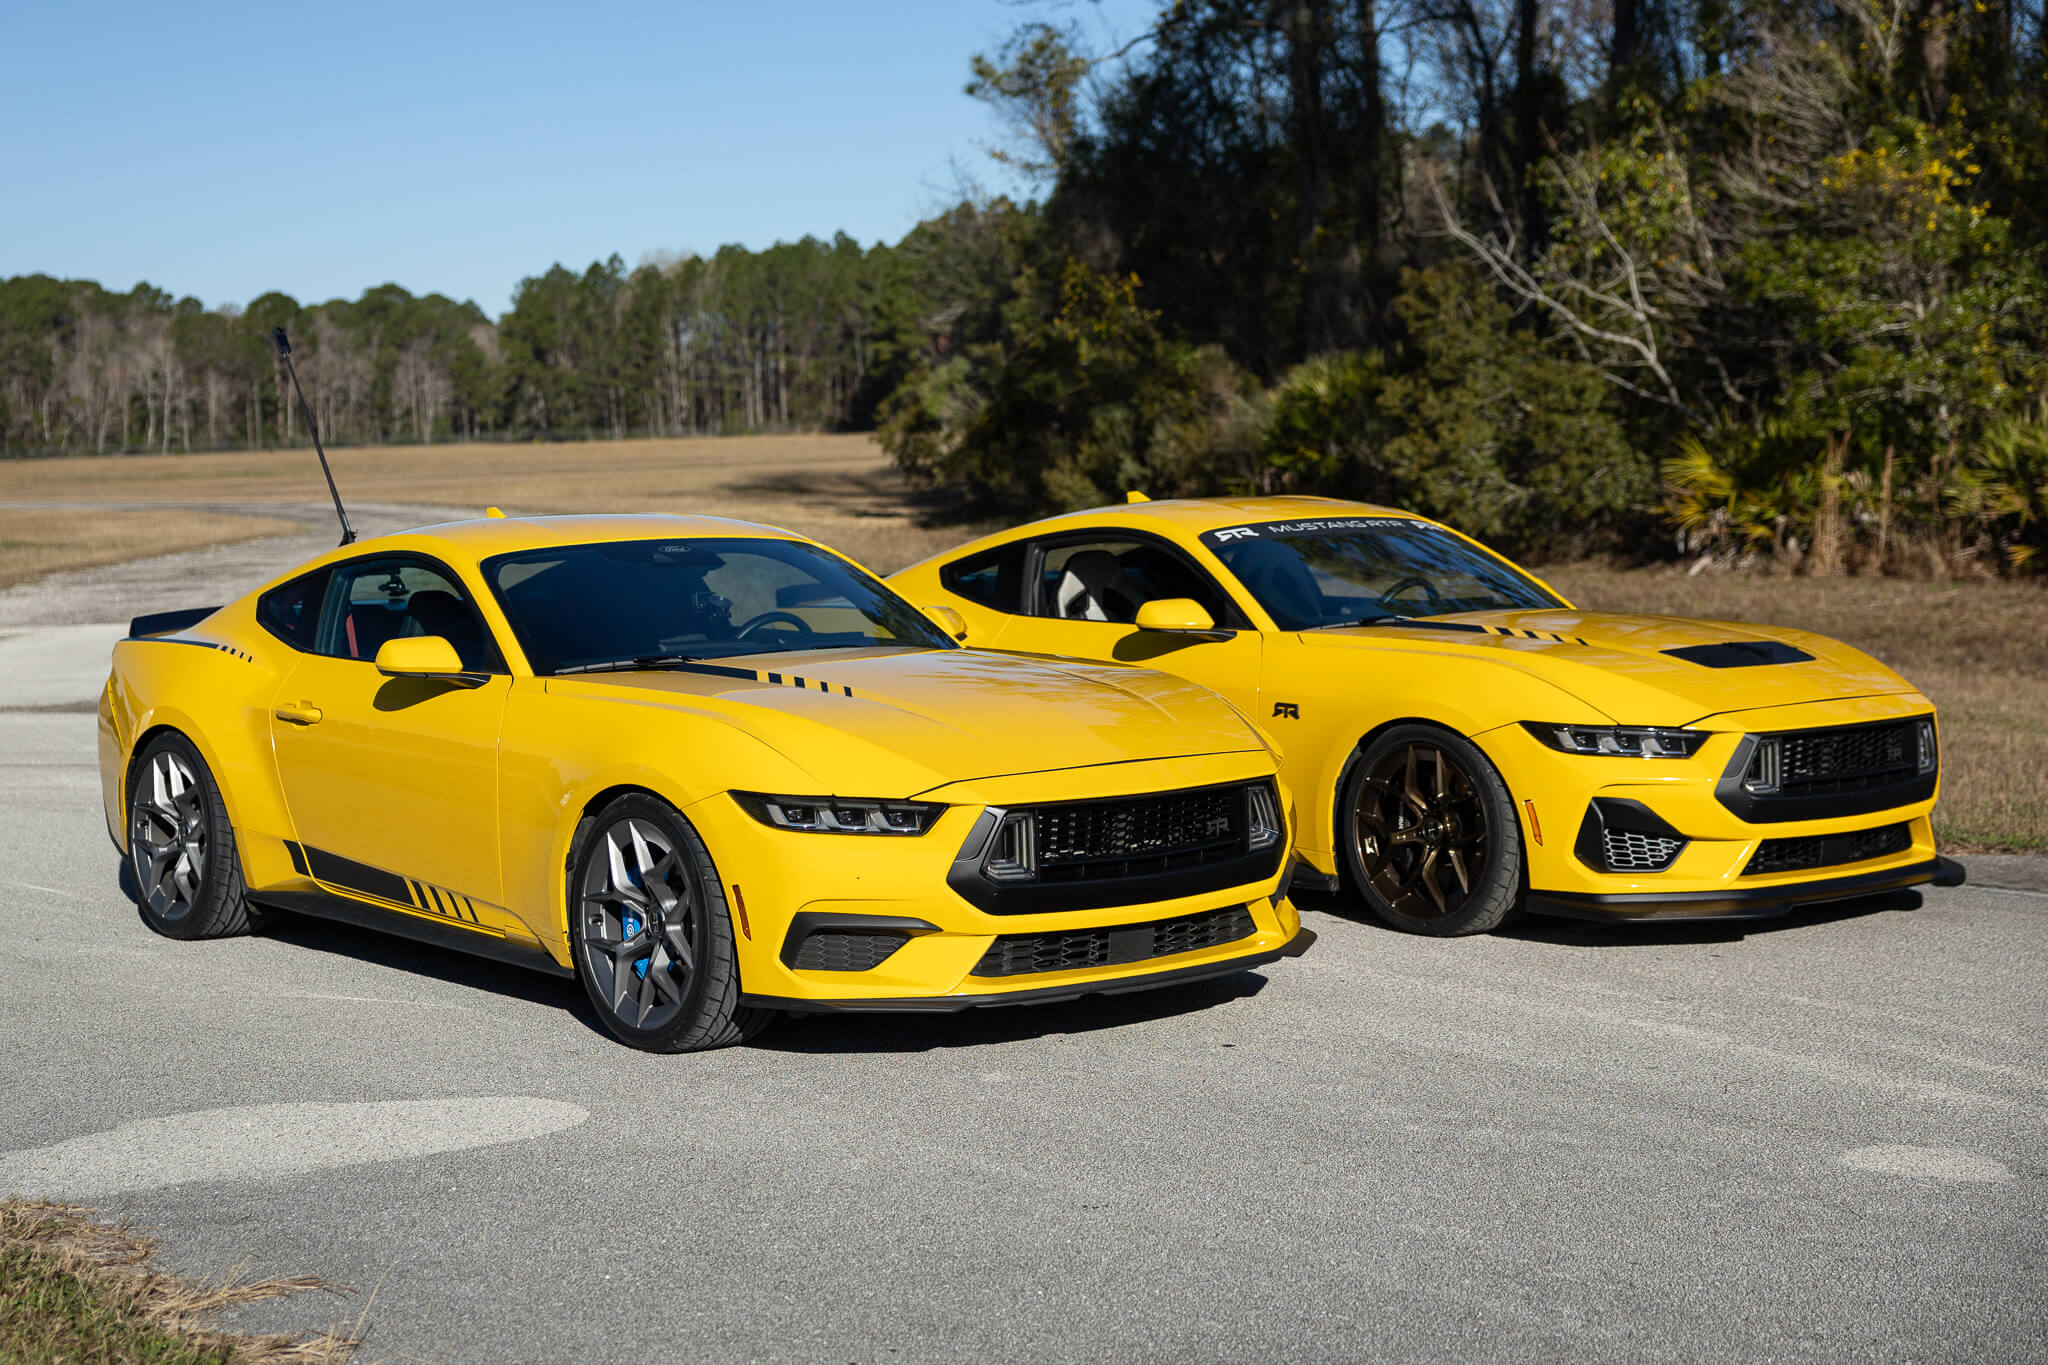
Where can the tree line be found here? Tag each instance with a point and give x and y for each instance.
(1742, 280)
(771, 340)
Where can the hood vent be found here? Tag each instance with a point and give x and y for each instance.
(1741, 654)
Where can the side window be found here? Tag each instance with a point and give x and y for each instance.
(291, 611)
(993, 578)
(378, 600)
(1109, 579)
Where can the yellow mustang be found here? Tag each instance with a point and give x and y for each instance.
(1463, 741)
(713, 769)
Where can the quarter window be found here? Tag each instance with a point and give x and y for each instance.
(993, 578)
(291, 611)
(375, 601)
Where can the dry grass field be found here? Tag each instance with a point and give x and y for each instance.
(37, 541)
(840, 489)
(1980, 649)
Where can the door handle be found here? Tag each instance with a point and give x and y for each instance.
(302, 713)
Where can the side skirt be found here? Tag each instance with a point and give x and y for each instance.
(323, 905)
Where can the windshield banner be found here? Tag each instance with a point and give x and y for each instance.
(1319, 526)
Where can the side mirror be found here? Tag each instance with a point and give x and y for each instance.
(423, 656)
(1174, 613)
(950, 621)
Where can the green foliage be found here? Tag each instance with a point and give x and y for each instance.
(1474, 420)
(2002, 491)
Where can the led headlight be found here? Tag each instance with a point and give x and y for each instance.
(840, 814)
(1619, 741)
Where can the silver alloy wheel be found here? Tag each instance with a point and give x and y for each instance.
(167, 837)
(637, 898)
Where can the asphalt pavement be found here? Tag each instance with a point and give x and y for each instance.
(1820, 1139)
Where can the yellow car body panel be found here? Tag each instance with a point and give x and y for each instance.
(1323, 693)
(456, 804)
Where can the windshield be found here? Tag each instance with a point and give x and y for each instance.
(657, 601)
(1344, 570)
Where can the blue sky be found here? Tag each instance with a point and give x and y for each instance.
(322, 148)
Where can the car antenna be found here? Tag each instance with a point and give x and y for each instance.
(284, 350)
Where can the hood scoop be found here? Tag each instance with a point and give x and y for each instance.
(1741, 654)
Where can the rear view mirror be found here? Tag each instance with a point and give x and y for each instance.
(1174, 613)
(423, 656)
(950, 621)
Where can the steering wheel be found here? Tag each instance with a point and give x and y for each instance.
(1436, 599)
(773, 618)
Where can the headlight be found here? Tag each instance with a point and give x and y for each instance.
(840, 814)
(1619, 741)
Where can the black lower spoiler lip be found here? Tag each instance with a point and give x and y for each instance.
(164, 622)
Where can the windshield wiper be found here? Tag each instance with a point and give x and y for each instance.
(630, 665)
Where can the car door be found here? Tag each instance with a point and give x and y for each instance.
(1079, 595)
(391, 783)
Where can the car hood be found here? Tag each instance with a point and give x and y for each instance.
(1626, 667)
(895, 723)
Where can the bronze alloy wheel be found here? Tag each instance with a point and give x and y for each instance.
(1434, 845)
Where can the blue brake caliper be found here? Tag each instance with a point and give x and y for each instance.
(630, 923)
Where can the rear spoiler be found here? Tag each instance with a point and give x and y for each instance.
(164, 622)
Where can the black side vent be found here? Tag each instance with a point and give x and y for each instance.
(829, 952)
(1741, 654)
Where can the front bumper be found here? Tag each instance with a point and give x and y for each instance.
(943, 952)
(1722, 869)
(1041, 995)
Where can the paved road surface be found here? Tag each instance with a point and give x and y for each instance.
(1821, 1140)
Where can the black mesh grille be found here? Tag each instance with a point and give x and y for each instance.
(1087, 840)
(1815, 762)
(1630, 851)
(1828, 850)
(830, 952)
(1020, 954)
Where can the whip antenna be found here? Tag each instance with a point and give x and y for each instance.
(284, 349)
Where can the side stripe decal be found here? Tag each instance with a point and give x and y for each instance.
(365, 880)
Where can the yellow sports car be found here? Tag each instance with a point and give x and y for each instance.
(1463, 742)
(712, 769)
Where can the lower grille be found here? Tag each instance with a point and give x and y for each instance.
(1022, 954)
(1828, 850)
(1628, 851)
(830, 952)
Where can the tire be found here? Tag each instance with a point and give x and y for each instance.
(666, 982)
(181, 848)
(1429, 835)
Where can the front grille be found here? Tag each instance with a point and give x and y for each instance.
(1628, 851)
(1828, 850)
(1023, 954)
(1094, 840)
(830, 952)
(1852, 759)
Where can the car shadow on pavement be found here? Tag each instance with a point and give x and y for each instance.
(994, 1025)
(1580, 933)
(408, 955)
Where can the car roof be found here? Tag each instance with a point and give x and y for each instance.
(479, 538)
(1208, 514)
